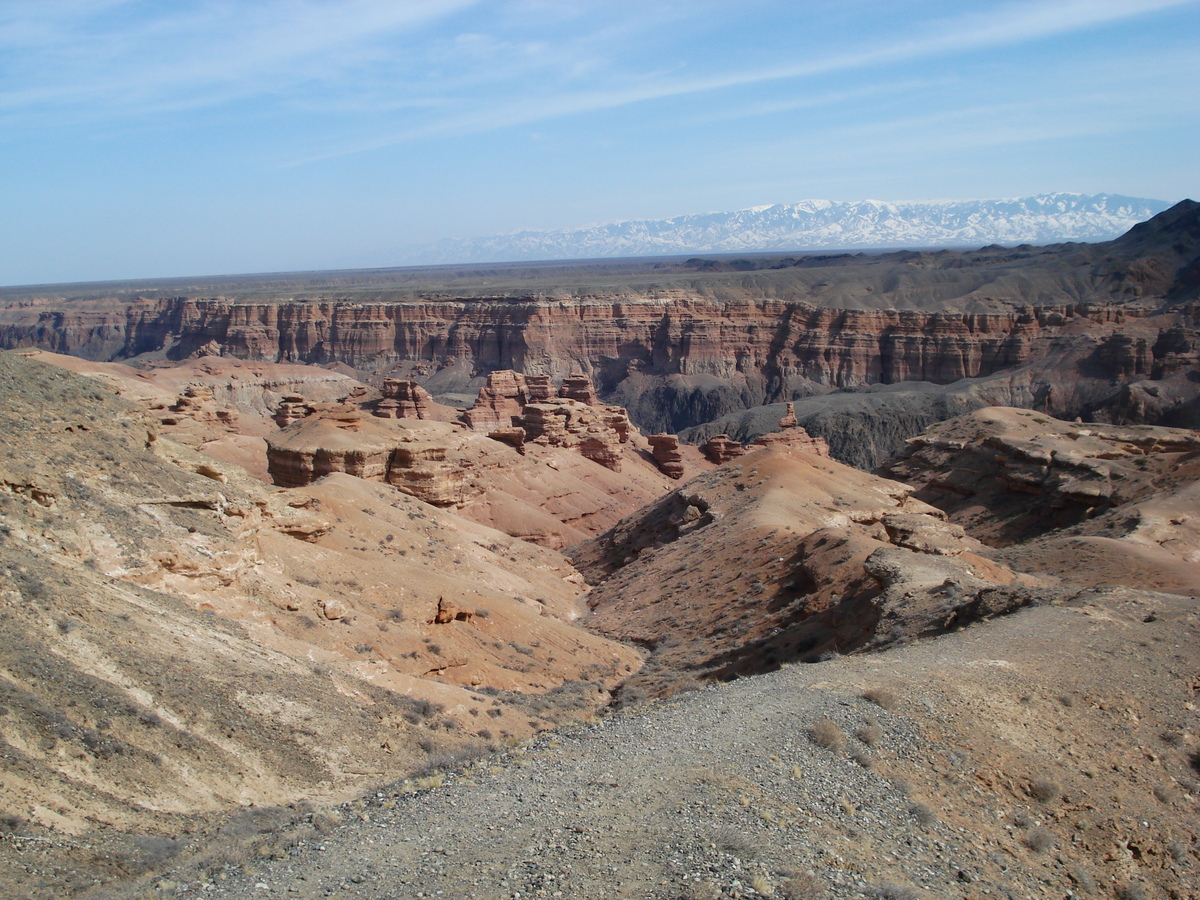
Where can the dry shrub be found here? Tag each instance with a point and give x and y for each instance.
(922, 813)
(735, 843)
(1038, 840)
(890, 891)
(863, 758)
(870, 735)
(882, 696)
(1044, 789)
(825, 733)
(802, 886)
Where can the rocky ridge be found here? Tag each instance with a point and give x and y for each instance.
(784, 555)
(1091, 503)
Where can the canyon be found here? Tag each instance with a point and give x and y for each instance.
(1082, 329)
(283, 572)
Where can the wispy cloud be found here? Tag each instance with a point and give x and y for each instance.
(102, 56)
(1008, 24)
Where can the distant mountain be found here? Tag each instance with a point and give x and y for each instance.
(820, 225)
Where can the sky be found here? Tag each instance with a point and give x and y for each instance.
(154, 138)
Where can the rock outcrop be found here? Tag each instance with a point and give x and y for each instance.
(665, 450)
(403, 399)
(784, 556)
(1014, 474)
(572, 424)
(579, 387)
(721, 448)
(500, 402)
(292, 408)
(792, 435)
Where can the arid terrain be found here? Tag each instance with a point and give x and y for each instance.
(388, 586)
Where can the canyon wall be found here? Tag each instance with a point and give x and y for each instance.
(684, 336)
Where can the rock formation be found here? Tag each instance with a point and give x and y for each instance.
(665, 449)
(789, 418)
(550, 492)
(579, 387)
(1015, 474)
(538, 388)
(792, 435)
(169, 620)
(721, 448)
(509, 411)
(292, 408)
(780, 556)
(500, 402)
(572, 424)
(402, 399)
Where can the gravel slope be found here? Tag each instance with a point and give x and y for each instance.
(1043, 755)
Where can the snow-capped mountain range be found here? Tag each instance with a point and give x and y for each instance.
(820, 225)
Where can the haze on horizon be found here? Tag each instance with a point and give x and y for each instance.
(148, 139)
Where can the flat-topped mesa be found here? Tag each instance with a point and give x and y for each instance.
(578, 386)
(321, 445)
(667, 456)
(790, 434)
(425, 465)
(403, 400)
(500, 402)
(720, 448)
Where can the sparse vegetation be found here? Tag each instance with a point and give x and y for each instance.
(802, 886)
(870, 735)
(1038, 840)
(826, 733)
(922, 813)
(883, 697)
(891, 891)
(732, 841)
(1134, 890)
(1044, 789)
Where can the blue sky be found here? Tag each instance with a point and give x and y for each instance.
(146, 139)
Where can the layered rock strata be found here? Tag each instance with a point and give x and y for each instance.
(1012, 474)
(500, 402)
(721, 448)
(665, 450)
(403, 399)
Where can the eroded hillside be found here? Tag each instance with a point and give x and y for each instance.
(181, 637)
